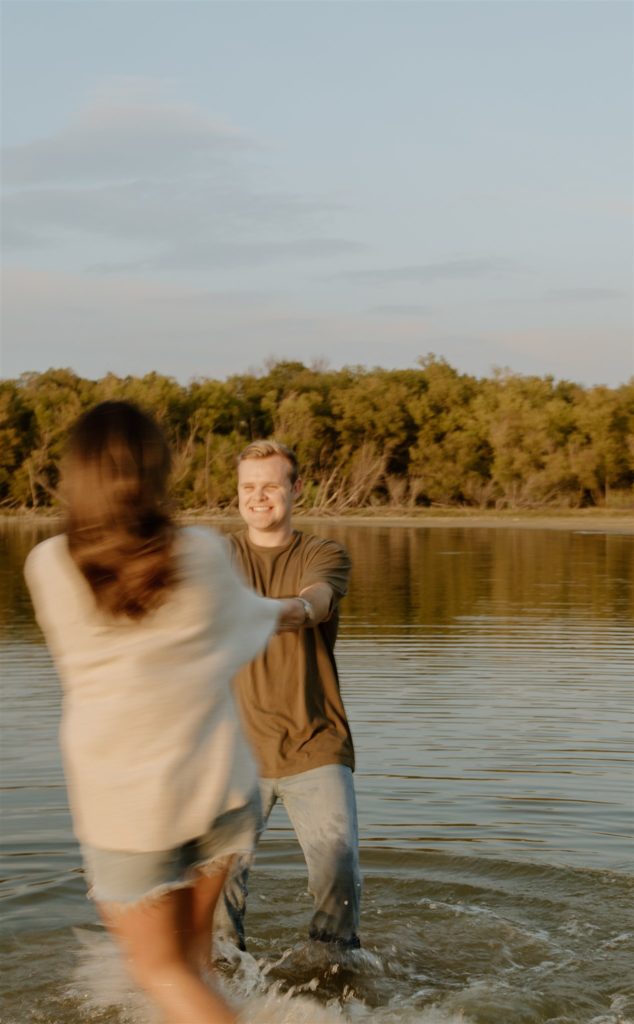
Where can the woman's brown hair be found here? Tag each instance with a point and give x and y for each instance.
(119, 530)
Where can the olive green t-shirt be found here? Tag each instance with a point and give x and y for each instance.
(289, 695)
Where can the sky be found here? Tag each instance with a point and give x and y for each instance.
(200, 188)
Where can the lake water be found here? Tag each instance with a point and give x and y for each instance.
(489, 678)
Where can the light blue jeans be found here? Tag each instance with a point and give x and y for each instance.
(322, 808)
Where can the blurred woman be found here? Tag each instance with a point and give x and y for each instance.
(147, 624)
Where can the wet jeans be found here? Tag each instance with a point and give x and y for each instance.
(322, 808)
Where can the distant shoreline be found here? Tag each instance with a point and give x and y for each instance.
(592, 520)
(608, 523)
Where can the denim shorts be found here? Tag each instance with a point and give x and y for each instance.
(124, 877)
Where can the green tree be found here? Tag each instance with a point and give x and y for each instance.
(451, 458)
(56, 398)
(18, 430)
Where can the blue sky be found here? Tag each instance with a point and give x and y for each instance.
(199, 187)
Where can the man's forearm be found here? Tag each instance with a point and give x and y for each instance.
(319, 597)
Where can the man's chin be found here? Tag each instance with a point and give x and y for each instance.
(261, 520)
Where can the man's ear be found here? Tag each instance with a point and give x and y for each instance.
(298, 487)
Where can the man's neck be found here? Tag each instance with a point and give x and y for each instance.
(270, 539)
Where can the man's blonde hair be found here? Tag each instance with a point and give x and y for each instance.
(265, 448)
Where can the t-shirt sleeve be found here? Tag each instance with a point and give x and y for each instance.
(329, 563)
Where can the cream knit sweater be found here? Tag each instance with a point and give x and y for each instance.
(152, 746)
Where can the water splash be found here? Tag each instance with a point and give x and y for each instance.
(100, 984)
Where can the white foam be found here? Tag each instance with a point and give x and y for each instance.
(616, 1014)
(100, 982)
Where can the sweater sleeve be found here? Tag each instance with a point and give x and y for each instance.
(52, 587)
(244, 621)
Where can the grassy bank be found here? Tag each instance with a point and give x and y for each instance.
(595, 519)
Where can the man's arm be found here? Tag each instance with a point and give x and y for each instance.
(326, 574)
(320, 597)
(313, 605)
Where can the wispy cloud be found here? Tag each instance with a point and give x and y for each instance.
(97, 323)
(130, 129)
(446, 270)
(398, 310)
(129, 324)
(149, 184)
(198, 254)
(584, 294)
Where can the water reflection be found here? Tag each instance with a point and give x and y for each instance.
(425, 575)
(489, 675)
(416, 575)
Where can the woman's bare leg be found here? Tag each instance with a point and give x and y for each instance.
(155, 936)
(204, 896)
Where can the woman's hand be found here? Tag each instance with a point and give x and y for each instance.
(313, 605)
(293, 615)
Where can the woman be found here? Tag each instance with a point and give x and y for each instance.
(147, 625)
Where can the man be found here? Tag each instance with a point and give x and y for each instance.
(290, 700)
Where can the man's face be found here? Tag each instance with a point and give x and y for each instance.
(265, 492)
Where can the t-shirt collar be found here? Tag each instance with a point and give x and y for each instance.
(263, 549)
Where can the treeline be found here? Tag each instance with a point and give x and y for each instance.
(364, 437)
